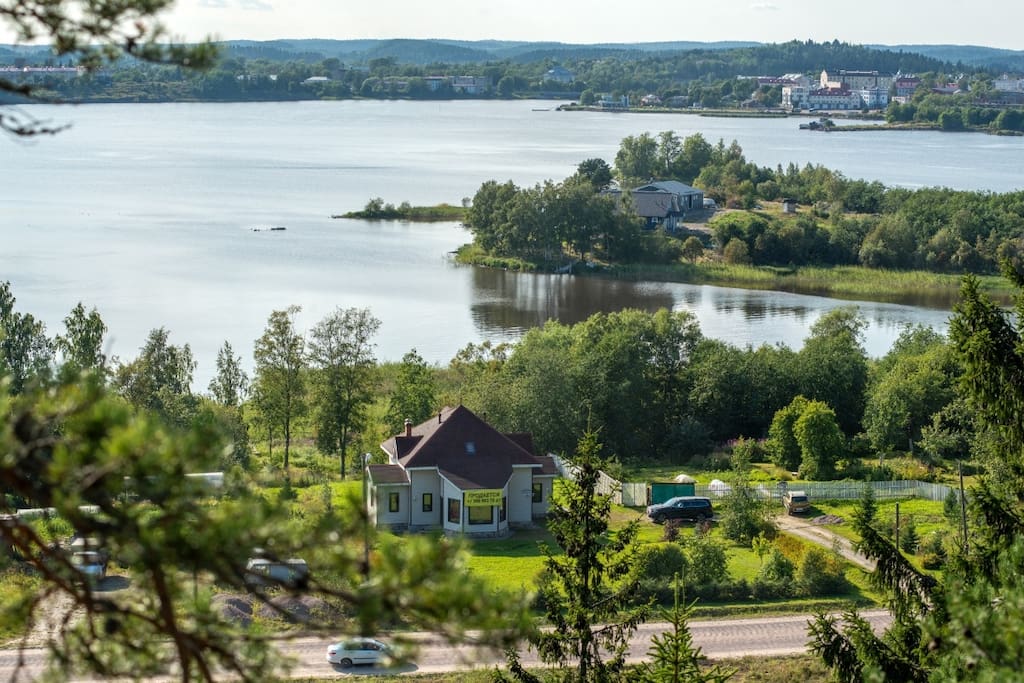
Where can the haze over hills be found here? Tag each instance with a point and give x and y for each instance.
(430, 51)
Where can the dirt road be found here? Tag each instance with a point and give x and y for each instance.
(822, 535)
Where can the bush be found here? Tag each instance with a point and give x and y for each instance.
(707, 561)
(670, 532)
(777, 568)
(744, 514)
(819, 574)
(721, 591)
(763, 589)
(662, 561)
(909, 540)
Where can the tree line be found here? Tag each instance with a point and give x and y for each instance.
(842, 221)
(701, 76)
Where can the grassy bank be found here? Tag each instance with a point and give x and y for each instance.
(914, 287)
(842, 282)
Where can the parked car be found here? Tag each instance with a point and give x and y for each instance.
(89, 558)
(691, 508)
(796, 502)
(92, 565)
(358, 651)
(260, 571)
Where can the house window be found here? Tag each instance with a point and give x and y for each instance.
(481, 514)
(538, 492)
(428, 502)
(503, 512)
(393, 501)
(454, 510)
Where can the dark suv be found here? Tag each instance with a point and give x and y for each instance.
(689, 508)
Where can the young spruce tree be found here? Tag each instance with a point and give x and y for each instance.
(589, 593)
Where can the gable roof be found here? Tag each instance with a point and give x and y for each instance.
(464, 448)
(674, 186)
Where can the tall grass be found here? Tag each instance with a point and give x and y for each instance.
(843, 282)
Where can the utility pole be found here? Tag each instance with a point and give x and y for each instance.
(963, 505)
(366, 516)
(896, 538)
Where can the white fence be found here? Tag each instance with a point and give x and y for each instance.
(846, 490)
(630, 494)
(633, 494)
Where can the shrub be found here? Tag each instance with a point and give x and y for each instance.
(670, 532)
(707, 561)
(763, 589)
(909, 540)
(819, 574)
(662, 561)
(777, 568)
(744, 514)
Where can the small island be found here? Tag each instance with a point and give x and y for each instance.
(376, 209)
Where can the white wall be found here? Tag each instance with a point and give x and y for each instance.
(381, 500)
(425, 481)
(520, 494)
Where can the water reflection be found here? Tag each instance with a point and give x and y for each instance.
(505, 305)
(505, 302)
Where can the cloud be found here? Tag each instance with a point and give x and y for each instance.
(764, 7)
(258, 5)
(213, 4)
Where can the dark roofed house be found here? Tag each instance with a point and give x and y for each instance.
(458, 474)
(664, 203)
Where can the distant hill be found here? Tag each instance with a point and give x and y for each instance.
(970, 55)
(412, 51)
(428, 51)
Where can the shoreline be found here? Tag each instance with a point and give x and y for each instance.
(939, 291)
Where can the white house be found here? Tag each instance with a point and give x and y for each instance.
(458, 474)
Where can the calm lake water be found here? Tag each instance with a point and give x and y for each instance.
(147, 212)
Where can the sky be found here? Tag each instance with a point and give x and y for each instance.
(991, 23)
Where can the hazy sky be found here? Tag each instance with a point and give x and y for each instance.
(982, 22)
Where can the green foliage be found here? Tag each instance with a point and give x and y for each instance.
(909, 539)
(414, 396)
(279, 392)
(674, 657)
(341, 354)
(707, 560)
(160, 379)
(821, 442)
(25, 350)
(74, 448)
(819, 573)
(743, 513)
(782, 445)
(662, 560)
(736, 252)
(778, 568)
(589, 597)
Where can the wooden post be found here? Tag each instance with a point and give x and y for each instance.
(896, 538)
(963, 506)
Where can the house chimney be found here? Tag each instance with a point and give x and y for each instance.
(408, 427)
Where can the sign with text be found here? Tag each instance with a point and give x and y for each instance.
(483, 497)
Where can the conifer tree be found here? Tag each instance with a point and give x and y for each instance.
(674, 657)
(589, 594)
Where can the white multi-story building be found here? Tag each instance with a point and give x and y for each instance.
(855, 80)
(1006, 83)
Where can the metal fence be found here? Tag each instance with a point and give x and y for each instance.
(843, 490)
(633, 494)
(630, 494)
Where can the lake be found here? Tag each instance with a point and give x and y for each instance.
(148, 211)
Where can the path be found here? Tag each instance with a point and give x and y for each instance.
(823, 536)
